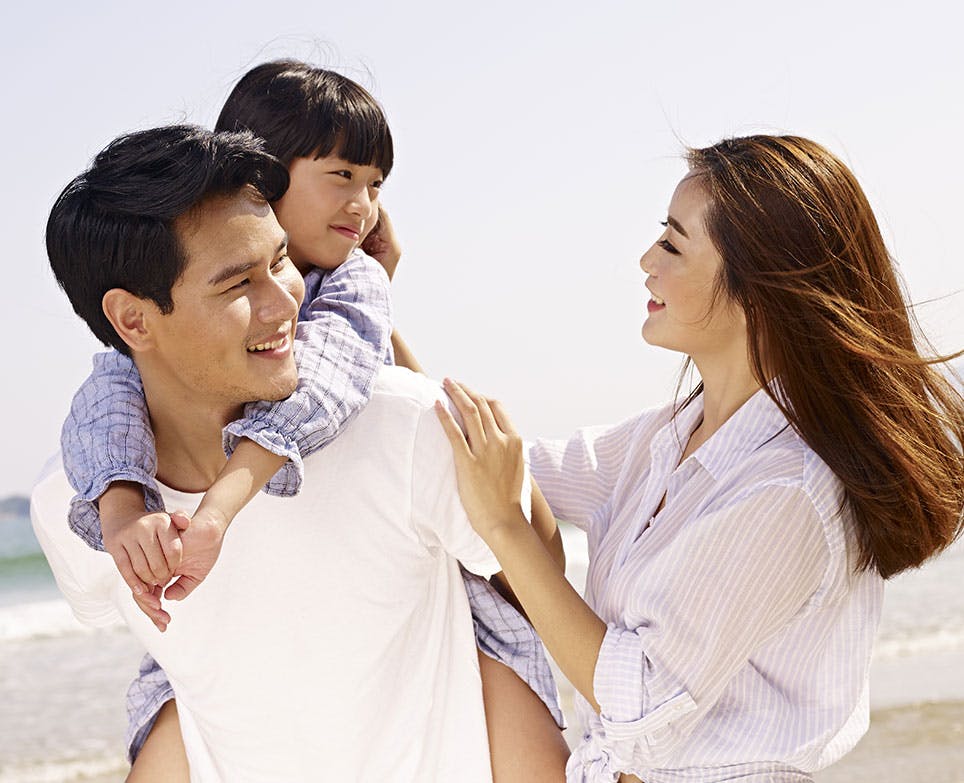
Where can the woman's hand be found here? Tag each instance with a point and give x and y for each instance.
(488, 460)
(382, 243)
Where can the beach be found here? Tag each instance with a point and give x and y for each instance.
(62, 686)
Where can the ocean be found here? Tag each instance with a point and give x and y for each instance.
(62, 686)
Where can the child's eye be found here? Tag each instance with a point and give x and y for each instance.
(344, 173)
(377, 184)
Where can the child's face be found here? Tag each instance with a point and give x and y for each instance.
(328, 208)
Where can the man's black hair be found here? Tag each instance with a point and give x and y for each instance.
(302, 111)
(113, 226)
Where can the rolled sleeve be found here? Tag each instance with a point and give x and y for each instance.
(638, 702)
(342, 340)
(107, 437)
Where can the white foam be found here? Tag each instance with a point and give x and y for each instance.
(940, 640)
(39, 619)
(59, 771)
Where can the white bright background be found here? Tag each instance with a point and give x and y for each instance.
(537, 146)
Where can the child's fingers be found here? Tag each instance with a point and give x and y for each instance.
(154, 555)
(181, 520)
(182, 588)
(150, 605)
(129, 575)
(171, 547)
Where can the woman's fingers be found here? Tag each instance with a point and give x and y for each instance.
(452, 431)
(502, 418)
(485, 412)
(471, 416)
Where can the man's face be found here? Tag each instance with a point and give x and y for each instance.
(229, 337)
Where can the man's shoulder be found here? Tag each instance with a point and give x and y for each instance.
(399, 385)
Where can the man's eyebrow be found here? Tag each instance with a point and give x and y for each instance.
(231, 271)
(677, 226)
(239, 269)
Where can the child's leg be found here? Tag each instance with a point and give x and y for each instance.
(162, 758)
(525, 743)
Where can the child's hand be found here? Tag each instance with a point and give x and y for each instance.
(146, 547)
(150, 604)
(488, 460)
(202, 546)
(382, 243)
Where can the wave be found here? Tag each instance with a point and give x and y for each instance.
(933, 641)
(39, 619)
(60, 771)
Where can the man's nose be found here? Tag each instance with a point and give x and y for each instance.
(278, 302)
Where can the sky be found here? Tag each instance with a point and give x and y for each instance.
(537, 146)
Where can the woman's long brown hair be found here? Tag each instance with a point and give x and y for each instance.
(827, 318)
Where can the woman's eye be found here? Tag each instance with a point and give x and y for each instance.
(665, 243)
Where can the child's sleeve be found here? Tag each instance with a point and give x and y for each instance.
(107, 437)
(343, 337)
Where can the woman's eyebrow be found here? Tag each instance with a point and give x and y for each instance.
(677, 226)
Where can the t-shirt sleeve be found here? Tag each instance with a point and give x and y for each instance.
(85, 577)
(107, 437)
(343, 338)
(437, 512)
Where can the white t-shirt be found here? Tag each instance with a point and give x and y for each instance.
(332, 641)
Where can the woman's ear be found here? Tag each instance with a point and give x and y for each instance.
(129, 317)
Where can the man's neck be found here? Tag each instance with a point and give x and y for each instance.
(187, 435)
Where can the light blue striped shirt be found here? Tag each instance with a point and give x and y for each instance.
(739, 636)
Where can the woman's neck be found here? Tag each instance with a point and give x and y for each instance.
(728, 382)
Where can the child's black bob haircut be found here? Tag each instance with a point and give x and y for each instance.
(302, 111)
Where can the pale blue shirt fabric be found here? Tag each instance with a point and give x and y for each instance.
(739, 635)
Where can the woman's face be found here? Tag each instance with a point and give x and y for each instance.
(683, 267)
(328, 209)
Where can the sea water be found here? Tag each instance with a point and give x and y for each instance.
(62, 686)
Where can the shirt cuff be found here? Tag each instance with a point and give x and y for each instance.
(638, 704)
(84, 515)
(290, 476)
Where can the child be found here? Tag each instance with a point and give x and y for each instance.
(337, 145)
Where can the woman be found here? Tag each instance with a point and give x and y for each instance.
(738, 542)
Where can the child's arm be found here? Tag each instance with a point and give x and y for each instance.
(108, 454)
(108, 437)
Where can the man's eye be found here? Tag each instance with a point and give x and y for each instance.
(280, 263)
(239, 285)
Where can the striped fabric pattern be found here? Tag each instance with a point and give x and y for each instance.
(739, 636)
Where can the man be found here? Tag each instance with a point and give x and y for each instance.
(333, 640)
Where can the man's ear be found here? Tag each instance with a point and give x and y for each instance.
(130, 317)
